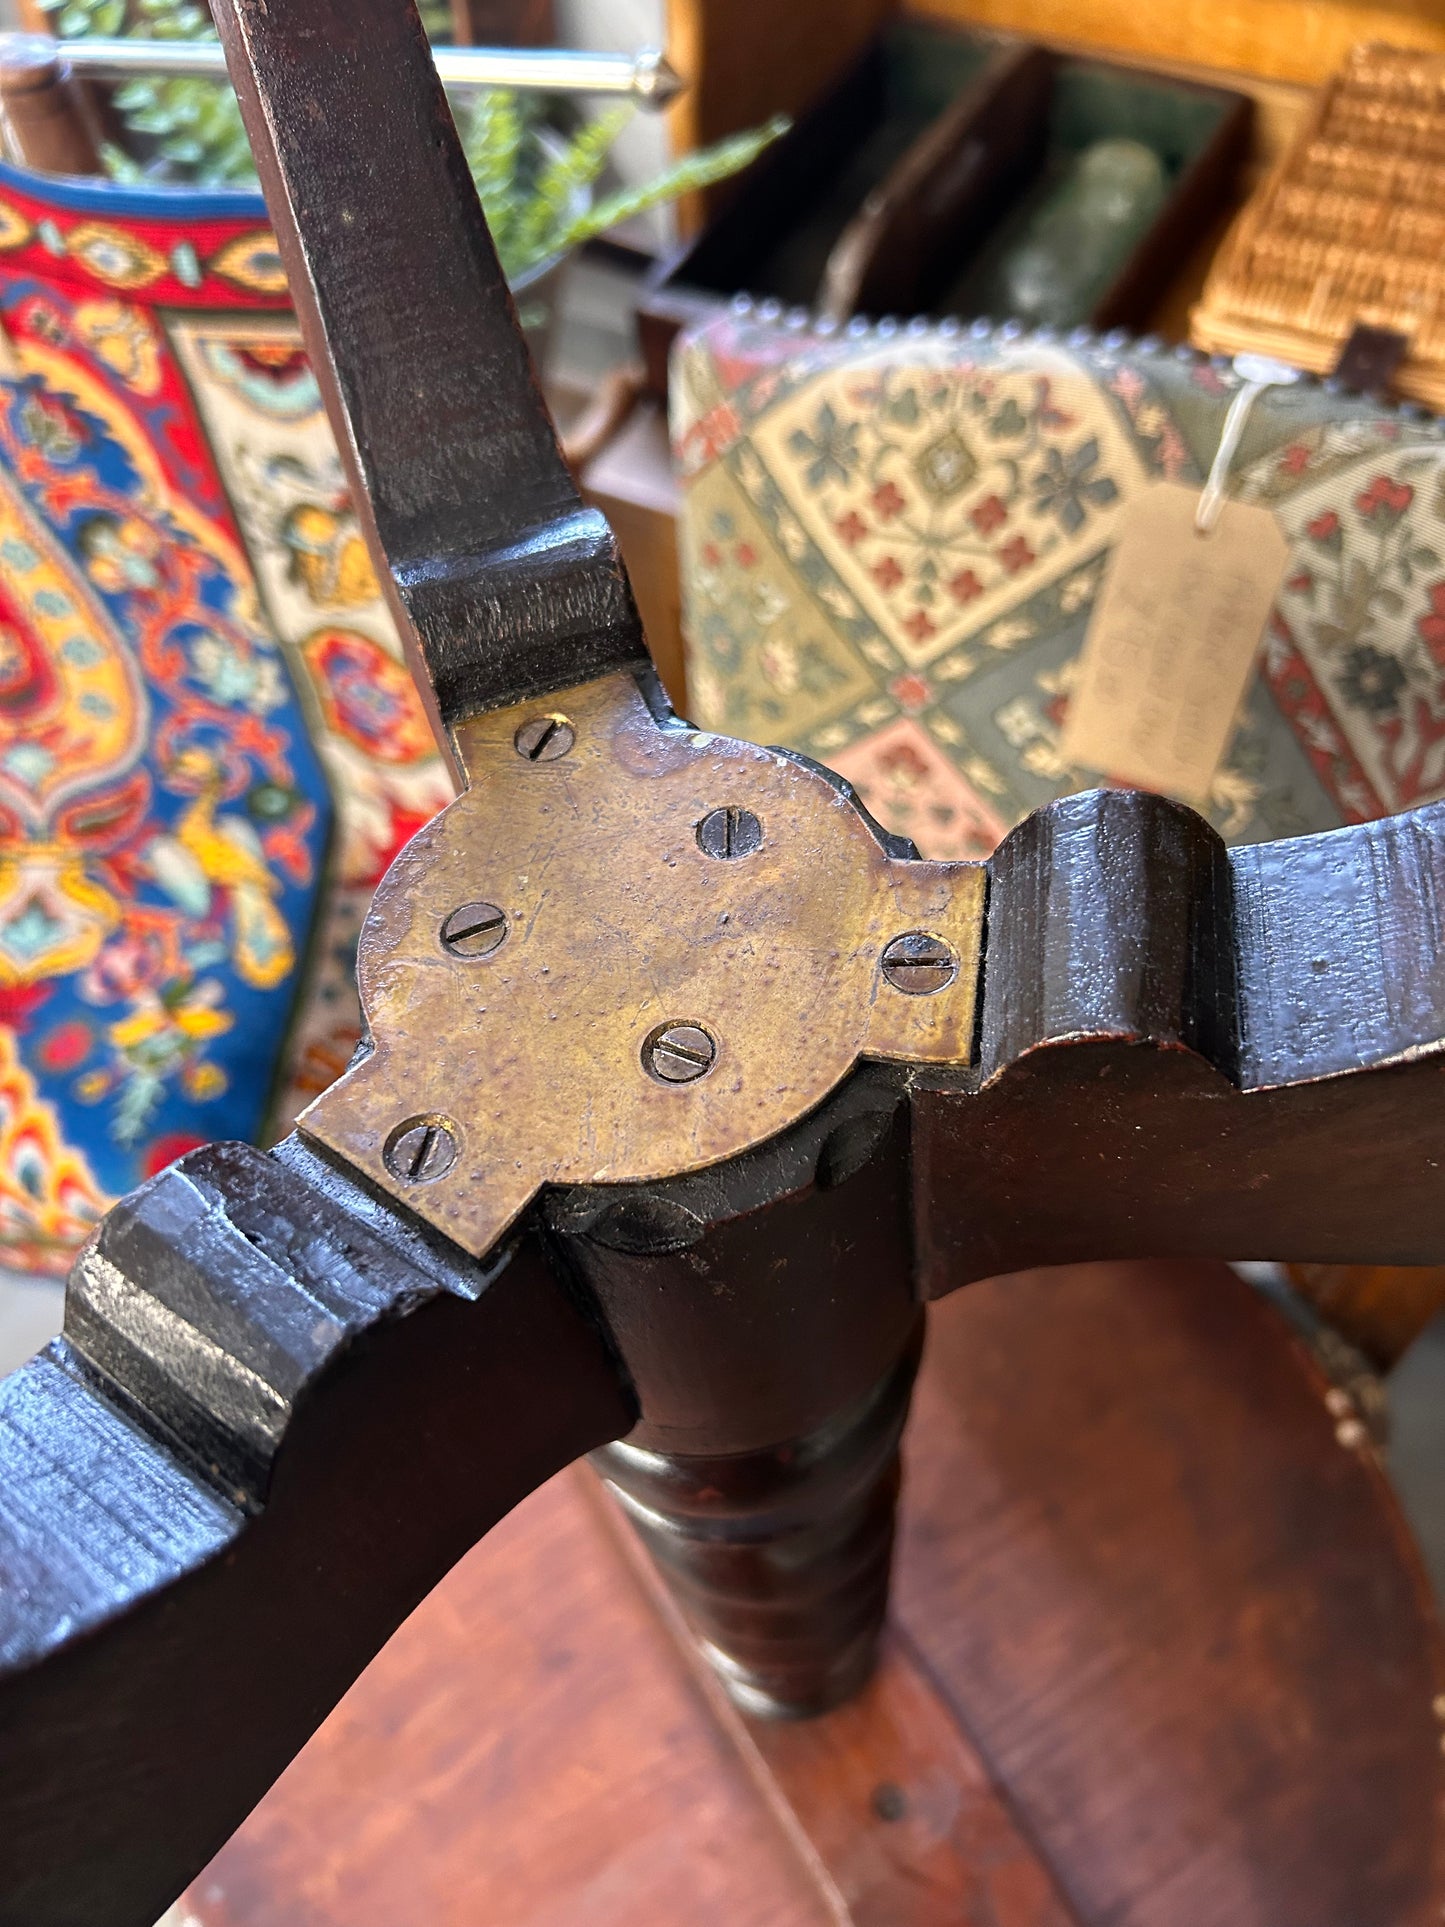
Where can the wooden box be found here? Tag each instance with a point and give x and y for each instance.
(899, 191)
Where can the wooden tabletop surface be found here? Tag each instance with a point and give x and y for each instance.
(1163, 1658)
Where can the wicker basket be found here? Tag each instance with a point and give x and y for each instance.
(1349, 229)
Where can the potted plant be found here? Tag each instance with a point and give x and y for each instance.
(537, 177)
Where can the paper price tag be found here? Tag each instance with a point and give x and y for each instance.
(1171, 642)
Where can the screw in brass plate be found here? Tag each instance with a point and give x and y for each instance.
(678, 1053)
(919, 964)
(542, 739)
(421, 1150)
(474, 930)
(729, 833)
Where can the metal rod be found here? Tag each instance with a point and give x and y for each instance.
(644, 76)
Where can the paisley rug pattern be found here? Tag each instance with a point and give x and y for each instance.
(209, 745)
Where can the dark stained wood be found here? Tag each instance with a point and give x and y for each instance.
(502, 23)
(908, 237)
(528, 1751)
(812, 225)
(1196, 1052)
(766, 1314)
(756, 1300)
(1370, 359)
(205, 1534)
(504, 582)
(1176, 1674)
(890, 1803)
(746, 60)
(778, 222)
(1145, 990)
(779, 1559)
(318, 1407)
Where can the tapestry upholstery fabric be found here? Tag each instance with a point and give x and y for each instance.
(209, 744)
(893, 537)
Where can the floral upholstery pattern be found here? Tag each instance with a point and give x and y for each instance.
(892, 541)
(209, 745)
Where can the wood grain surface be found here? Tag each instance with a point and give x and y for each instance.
(886, 1799)
(1293, 40)
(1164, 1659)
(502, 582)
(1196, 1052)
(529, 1749)
(205, 1534)
(744, 60)
(1184, 1624)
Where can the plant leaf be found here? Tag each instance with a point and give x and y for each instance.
(194, 130)
(687, 176)
(542, 222)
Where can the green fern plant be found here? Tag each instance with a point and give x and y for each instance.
(535, 183)
(537, 193)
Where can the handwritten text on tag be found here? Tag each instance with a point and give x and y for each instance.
(1171, 642)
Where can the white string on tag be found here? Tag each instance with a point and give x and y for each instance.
(1260, 372)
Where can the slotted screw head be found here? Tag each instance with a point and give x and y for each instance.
(474, 930)
(421, 1150)
(542, 739)
(678, 1053)
(729, 833)
(919, 964)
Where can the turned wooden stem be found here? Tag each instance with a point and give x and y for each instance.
(780, 1559)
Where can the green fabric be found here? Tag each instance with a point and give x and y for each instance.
(892, 545)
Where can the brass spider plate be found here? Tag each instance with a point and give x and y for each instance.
(533, 1060)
